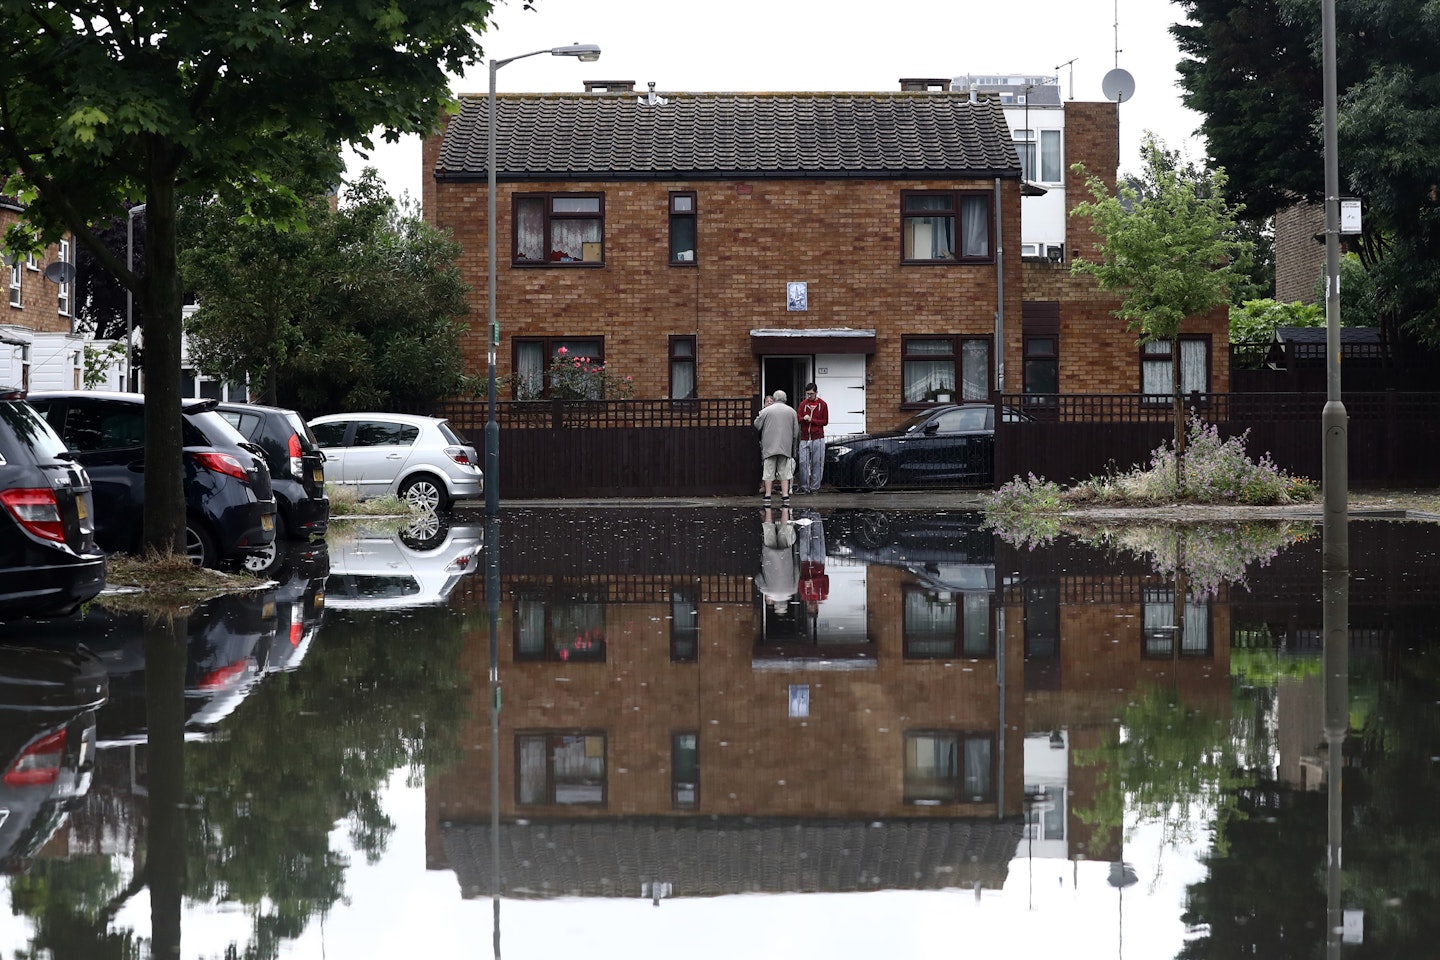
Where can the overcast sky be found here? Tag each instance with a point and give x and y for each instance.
(814, 45)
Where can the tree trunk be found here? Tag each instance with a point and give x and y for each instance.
(164, 524)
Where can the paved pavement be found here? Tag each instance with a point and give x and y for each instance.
(824, 500)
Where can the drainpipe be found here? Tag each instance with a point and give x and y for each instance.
(999, 292)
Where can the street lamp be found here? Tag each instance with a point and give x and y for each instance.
(139, 208)
(586, 53)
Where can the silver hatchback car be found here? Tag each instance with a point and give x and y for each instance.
(422, 460)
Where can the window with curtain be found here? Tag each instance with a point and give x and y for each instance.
(685, 770)
(559, 229)
(1159, 630)
(940, 625)
(945, 767)
(682, 368)
(1157, 357)
(682, 228)
(944, 226)
(560, 768)
(931, 368)
(564, 629)
(684, 625)
(533, 356)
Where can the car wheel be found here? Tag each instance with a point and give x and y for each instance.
(425, 492)
(200, 546)
(424, 531)
(874, 472)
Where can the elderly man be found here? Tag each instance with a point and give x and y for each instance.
(779, 430)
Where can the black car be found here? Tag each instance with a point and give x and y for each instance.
(953, 443)
(229, 504)
(49, 563)
(297, 467)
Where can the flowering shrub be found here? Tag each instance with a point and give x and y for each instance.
(1025, 512)
(572, 378)
(1208, 555)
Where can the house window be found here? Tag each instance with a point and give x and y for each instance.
(1156, 358)
(15, 300)
(941, 625)
(944, 226)
(566, 631)
(535, 376)
(682, 228)
(684, 625)
(682, 368)
(932, 366)
(32, 263)
(1159, 629)
(1042, 364)
(560, 768)
(1050, 167)
(63, 296)
(554, 229)
(685, 770)
(945, 767)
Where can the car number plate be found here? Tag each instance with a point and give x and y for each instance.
(80, 509)
(267, 522)
(318, 475)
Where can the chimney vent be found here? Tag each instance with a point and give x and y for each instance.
(609, 86)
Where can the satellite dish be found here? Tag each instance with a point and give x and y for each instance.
(60, 272)
(1118, 85)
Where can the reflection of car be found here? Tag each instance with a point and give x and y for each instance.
(299, 597)
(229, 506)
(420, 459)
(297, 467)
(953, 443)
(47, 742)
(49, 563)
(415, 566)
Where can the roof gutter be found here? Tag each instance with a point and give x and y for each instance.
(999, 292)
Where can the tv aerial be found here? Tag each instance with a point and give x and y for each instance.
(1118, 85)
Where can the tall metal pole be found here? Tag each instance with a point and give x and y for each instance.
(1334, 422)
(492, 429)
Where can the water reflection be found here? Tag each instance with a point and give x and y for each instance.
(1074, 732)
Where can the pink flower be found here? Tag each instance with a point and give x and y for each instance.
(562, 351)
(627, 379)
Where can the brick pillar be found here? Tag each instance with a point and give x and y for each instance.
(1092, 137)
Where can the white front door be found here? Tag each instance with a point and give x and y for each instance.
(840, 381)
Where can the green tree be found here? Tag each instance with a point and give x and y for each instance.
(1172, 252)
(1253, 69)
(100, 105)
(1254, 321)
(359, 308)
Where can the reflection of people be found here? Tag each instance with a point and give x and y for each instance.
(779, 434)
(814, 582)
(779, 575)
(814, 414)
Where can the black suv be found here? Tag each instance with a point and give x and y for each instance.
(229, 506)
(49, 563)
(297, 467)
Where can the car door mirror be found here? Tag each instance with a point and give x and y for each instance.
(932, 427)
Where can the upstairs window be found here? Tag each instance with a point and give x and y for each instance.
(63, 296)
(944, 226)
(15, 299)
(1046, 167)
(559, 229)
(682, 228)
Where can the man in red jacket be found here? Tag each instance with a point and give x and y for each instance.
(814, 415)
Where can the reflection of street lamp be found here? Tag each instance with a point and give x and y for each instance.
(1121, 876)
(586, 53)
(129, 291)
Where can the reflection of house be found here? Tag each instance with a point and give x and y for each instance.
(668, 729)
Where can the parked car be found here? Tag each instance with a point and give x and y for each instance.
(49, 563)
(422, 460)
(297, 467)
(229, 503)
(953, 443)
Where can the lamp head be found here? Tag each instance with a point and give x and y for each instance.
(584, 52)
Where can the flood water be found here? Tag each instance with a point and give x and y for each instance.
(689, 732)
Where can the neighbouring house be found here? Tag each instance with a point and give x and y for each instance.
(729, 244)
(41, 347)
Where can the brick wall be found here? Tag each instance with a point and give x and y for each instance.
(1299, 257)
(39, 310)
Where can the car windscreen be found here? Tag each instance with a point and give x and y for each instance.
(915, 421)
(452, 435)
(30, 429)
(210, 429)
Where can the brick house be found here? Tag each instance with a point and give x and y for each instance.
(725, 245)
(39, 346)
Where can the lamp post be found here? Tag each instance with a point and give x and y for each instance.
(586, 53)
(139, 208)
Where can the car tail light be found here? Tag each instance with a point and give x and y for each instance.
(38, 763)
(222, 677)
(297, 627)
(222, 463)
(297, 470)
(36, 510)
(458, 454)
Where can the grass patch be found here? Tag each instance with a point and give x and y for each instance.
(155, 583)
(346, 504)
